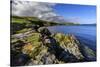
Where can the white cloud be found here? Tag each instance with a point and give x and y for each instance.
(41, 10)
(30, 8)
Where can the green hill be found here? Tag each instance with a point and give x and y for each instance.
(23, 23)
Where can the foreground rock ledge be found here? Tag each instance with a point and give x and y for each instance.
(45, 48)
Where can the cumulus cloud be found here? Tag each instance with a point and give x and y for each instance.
(41, 10)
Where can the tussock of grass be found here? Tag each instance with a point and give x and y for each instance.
(24, 30)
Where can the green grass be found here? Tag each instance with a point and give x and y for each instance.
(34, 39)
(24, 30)
(19, 24)
(16, 19)
(34, 20)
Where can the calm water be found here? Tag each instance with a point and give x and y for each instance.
(86, 34)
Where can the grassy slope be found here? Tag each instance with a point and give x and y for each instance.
(34, 20)
(20, 23)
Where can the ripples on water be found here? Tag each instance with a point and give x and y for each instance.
(86, 34)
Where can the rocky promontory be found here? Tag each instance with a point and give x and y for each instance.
(43, 47)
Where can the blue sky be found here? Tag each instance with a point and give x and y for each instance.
(84, 14)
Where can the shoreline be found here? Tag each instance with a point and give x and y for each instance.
(44, 43)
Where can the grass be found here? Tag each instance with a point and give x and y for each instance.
(34, 46)
(34, 20)
(34, 39)
(24, 30)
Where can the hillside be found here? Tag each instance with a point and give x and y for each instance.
(35, 20)
(31, 20)
(24, 23)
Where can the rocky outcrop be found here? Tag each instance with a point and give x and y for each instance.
(44, 48)
(88, 53)
(69, 43)
(54, 51)
(23, 35)
(44, 31)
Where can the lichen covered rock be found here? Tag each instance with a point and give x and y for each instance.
(66, 51)
(69, 43)
(44, 48)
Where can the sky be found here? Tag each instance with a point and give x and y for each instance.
(84, 14)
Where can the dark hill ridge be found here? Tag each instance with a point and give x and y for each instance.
(38, 21)
(20, 23)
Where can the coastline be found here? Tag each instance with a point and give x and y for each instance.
(42, 43)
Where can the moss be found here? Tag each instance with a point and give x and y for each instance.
(24, 30)
(69, 43)
(59, 36)
(34, 48)
(13, 40)
(35, 38)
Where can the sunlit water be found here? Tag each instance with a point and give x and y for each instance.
(85, 34)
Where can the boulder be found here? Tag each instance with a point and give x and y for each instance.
(44, 31)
